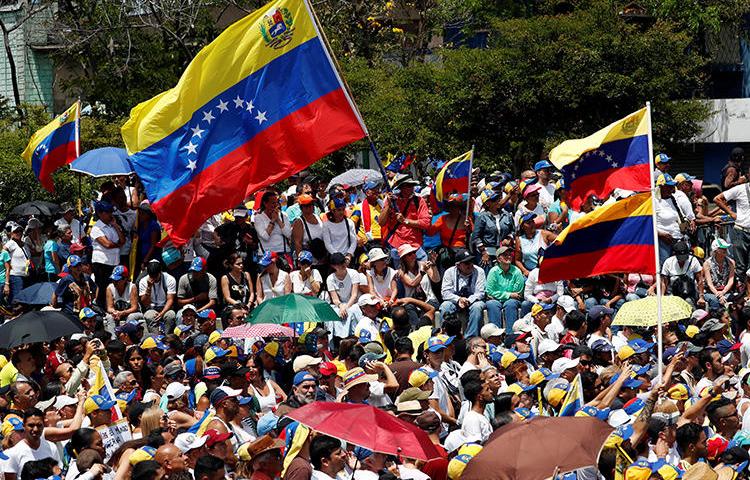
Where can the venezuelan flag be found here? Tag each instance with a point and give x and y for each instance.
(258, 104)
(54, 145)
(614, 157)
(200, 427)
(453, 177)
(613, 238)
(573, 401)
(101, 386)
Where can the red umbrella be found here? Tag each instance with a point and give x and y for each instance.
(249, 330)
(368, 427)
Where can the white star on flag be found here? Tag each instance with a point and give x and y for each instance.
(191, 165)
(191, 147)
(250, 106)
(261, 117)
(238, 102)
(208, 116)
(222, 106)
(197, 132)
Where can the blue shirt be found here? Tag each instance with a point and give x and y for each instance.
(49, 248)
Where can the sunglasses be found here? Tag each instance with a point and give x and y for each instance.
(133, 383)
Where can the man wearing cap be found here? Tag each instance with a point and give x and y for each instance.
(106, 238)
(192, 446)
(672, 221)
(98, 410)
(463, 289)
(543, 171)
(505, 284)
(197, 287)
(122, 300)
(740, 237)
(218, 444)
(404, 217)
(556, 328)
(369, 322)
(74, 290)
(304, 387)
(682, 275)
(156, 291)
(68, 220)
(226, 405)
(17, 268)
(365, 216)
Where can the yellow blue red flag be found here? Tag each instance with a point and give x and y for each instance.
(614, 157)
(453, 177)
(54, 145)
(258, 104)
(614, 238)
(101, 386)
(573, 400)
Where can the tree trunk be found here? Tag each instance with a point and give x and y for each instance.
(12, 66)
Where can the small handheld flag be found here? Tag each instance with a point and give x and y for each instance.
(453, 177)
(54, 145)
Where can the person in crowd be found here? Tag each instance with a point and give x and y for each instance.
(365, 216)
(671, 220)
(156, 293)
(68, 219)
(307, 230)
(122, 300)
(272, 282)
(719, 274)
(463, 289)
(740, 197)
(106, 237)
(306, 280)
(236, 284)
(272, 225)
(339, 232)
(529, 242)
(198, 287)
(491, 226)
(404, 218)
(18, 267)
(505, 285)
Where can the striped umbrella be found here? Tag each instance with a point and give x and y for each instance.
(248, 330)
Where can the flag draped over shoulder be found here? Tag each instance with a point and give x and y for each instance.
(101, 386)
(453, 177)
(54, 145)
(573, 400)
(614, 238)
(258, 104)
(615, 157)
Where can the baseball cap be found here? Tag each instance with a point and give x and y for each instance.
(266, 423)
(175, 390)
(305, 256)
(712, 325)
(301, 377)
(369, 357)
(214, 352)
(699, 314)
(538, 308)
(463, 256)
(598, 311)
(305, 199)
(510, 356)
(420, 376)
(64, 401)
(73, 261)
(491, 330)
(562, 364)
(142, 454)
(211, 373)
(189, 441)
(45, 404)
(154, 342)
(542, 375)
(367, 299)
(567, 303)
(665, 179)
(601, 345)
(662, 158)
(541, 164)
(222, 393)
(546, 346)
(304, 361)
(126, 327)
(629, 383)
(86, 312)
(12, 423)
(170, 255)
(327, 368)
(435, 344)
(683, 177)
(119, 273)
(213, 437)
(97, 402)
(198, 264)
(413, 393)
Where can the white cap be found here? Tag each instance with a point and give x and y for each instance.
(64, 401)
(522, 326)
(567, 303)
(376, 254)
(175, 390)
(562, 364)
(619, 417)
(151, 396)
(303, 361)
(457, 438)
(547, 345)
(77, 336)
(491, 330)
(367, 299)
(45, 404)
(189, 441)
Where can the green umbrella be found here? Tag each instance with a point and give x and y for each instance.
(293, 308)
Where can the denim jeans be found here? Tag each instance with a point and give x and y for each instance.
(16, 285)
(713, 303)
(476, 310)
(497, 310)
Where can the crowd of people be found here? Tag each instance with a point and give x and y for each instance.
(443, 323)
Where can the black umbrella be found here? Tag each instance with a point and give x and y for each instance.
(37, 326)
(38, 207)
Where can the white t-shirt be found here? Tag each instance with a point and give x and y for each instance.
(337, 239)
(75, 228)
(382, 284)
(378, 397)
(343, 287)
(547, 195)
(21, 453)
(738, 194)
(100, 254)
(476, 425)
(672, 268)
(685, 204)
(667, 218)
(19, 258)
(555, 329)
(158, 298)
(304, 287)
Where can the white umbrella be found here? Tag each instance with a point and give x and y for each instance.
(356, 177)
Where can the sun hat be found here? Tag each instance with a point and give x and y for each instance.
(357, 376)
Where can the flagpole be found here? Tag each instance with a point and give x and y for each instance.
(657, 277)
(468, 190)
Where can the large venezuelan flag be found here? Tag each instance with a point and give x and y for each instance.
(54, 145)
(453, 177)
(573, 401)
(614, 157)
(614, 238)
(258, 104)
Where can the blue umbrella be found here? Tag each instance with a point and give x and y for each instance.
(103, 162)
(37, 294)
